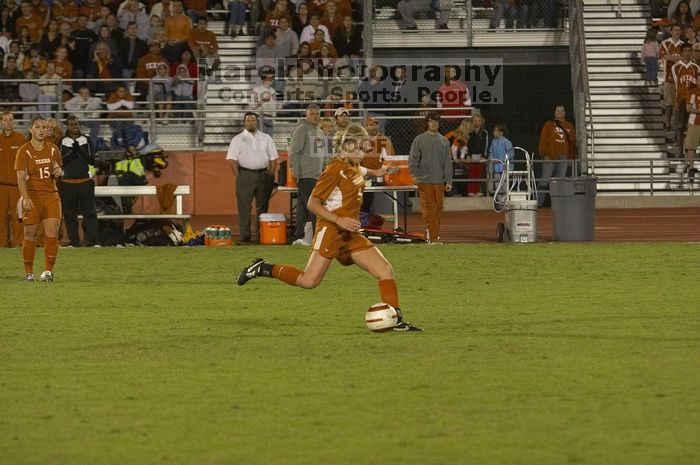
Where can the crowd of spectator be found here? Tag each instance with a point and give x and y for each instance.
(71, 51)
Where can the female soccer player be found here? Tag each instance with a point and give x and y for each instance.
(38, 164)
(336, 201)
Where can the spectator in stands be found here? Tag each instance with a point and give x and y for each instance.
(119, 103)
(29, 93)
(53, 131)
(501, 152)
(453, 99)
(342, 118)
(430, 166)
(131, 49)
(14, 10)
(650, 57)
(344, 7)
(183, 92)
(317, 7)
(477, 149)
(286, 39)
(156, 27)
(684, 74)
(253, 158)
(51, 40)
(148, 64)
(111, 22)
(267, 53)
(104, 35)
(693, 137)
(162, 85)
(104, 66)
(79, 43)
(86, 107)
(341, 90)
(325, 63)
(661, 10)
(408, 9)
(348, 39)
(65, 11)
(557, 146)
(10, 89)
(459, 138)
(671, 53)
(158, 34)
(682, 15)
(93, 11)
(689, 36)
(65, 29)
(303, 84)
(64, 68)
(273, 17)
(48, 86)
(177, 28)
(370, 93)
(264, 99)
(35, 62)
(309, 32)
(301, 19)
(32, 20)
(15, 51)
(160, 9)
(332, 18)
(7, 22)
(304, 50)
(306, 168)
(503, 8)
(134, 12)
(24, 39)
(77, 188)
(188, 62)
(196, 9)
(203, 42)
(236, 17)
(319, 41)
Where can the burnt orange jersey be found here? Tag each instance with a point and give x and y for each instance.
(341, 186)
(684, 78)
(38, 165)
(8, 154)
(669, 47)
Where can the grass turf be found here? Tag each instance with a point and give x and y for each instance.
(536, 354)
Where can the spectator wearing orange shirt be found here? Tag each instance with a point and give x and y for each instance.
(34, 61)
(119, 103)
(177, 29)
(202, 41)
(93, 11)
(148, 64)
(196, 9)
(42, 9)
(332, 19)
(64, 68)
(65, 11)
(31, 20)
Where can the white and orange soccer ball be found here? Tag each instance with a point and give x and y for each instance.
(381, 317)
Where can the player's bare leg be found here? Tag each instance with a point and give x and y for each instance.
(313, 274)
(372, 261)
(51, 226)
(29, 249)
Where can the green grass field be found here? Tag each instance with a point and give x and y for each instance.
(532, 354)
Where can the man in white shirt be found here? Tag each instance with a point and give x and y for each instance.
(253, 158)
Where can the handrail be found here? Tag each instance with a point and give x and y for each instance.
(579, 69)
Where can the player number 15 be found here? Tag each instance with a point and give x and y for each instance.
(44, 172)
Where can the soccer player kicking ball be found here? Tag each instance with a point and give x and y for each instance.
(336, 201)
(38, 164)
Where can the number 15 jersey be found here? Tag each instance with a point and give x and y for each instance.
(38, 165)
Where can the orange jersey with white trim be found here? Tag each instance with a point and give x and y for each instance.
(685, 78)
(38, 166)
(341, 186)
(694, 102)
(669, 47)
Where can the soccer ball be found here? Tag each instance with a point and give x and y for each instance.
(381, 317)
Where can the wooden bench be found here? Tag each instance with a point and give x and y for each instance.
(134, 191)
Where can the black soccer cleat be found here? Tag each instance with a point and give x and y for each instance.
(405, 326)
(251, 271)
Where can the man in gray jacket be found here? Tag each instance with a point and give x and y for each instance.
(306, 155)
(430, 165)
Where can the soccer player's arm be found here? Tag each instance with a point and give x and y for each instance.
(21, 169)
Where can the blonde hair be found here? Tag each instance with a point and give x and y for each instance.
(462, 131)
(323, 121)
(354, 133)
